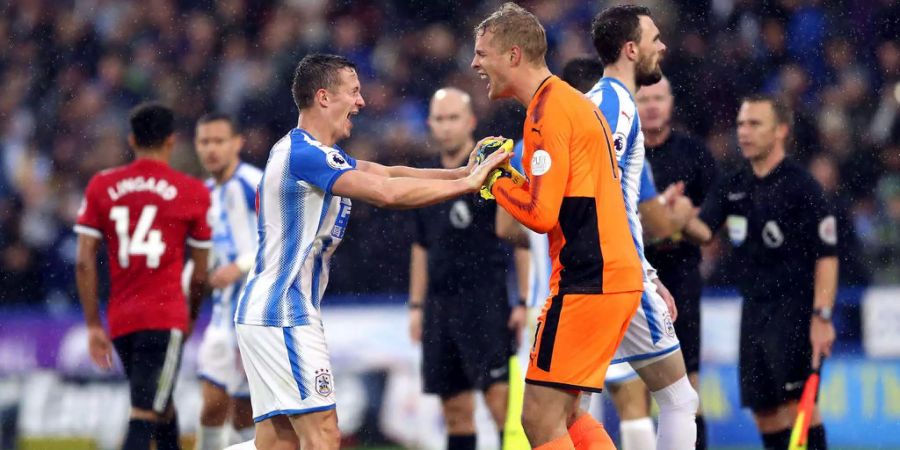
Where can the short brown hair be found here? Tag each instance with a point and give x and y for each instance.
(783, 113)
(513, 25)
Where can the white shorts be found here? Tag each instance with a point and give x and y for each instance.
(651, 333)
(620, 373)
(219, 361)
(288, 369)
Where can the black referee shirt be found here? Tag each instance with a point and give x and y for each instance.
(466, 259)
(778, 226)
(680, 158)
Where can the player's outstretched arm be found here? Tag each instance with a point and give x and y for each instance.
(406, 192)
(429, 174)
(99, 345)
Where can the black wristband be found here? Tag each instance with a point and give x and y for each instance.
(412, 305)
(522, 302)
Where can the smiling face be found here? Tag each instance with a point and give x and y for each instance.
(492, 64)
(650, 52)
(344, 101)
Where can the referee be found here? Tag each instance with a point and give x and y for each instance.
(458, 301)
(785, 240)
(678, 158)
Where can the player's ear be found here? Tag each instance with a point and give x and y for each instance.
(515, 56)
(781, 131)
(630, 50)
(322, 97)
(131, 141)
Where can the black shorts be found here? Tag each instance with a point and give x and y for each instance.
(151, 359)
(686, 285)
(464, 347)
(775, 353)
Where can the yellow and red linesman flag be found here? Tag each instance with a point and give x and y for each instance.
(804, 413)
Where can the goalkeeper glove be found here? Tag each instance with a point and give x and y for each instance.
(504, 171)
(487, 146)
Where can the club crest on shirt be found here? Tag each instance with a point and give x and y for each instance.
(324, 384)
(540, 162)
(336, 160)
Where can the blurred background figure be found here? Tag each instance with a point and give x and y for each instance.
(70, 71)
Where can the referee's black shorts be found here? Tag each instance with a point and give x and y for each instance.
(151, 359)
(775, 352)
(466, 345)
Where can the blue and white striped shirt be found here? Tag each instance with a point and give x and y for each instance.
(618, 107)
(300, 223)
(232, 215)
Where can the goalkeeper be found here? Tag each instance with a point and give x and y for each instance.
(459, 307)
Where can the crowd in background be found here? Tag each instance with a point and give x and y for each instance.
(71, 69)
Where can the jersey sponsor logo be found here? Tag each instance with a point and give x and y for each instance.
(460, 215)
(737, 229)
(736, 196)
(828, 230)
(772, 235)
(343, 216)
(127, 186)
(324, 384)
(619, 140)
(336, 160)
(540, 162)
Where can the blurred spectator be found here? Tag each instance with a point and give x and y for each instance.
(70, 70)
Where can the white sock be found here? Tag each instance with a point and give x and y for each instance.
(638, 434)
(249, 445)
(210, 438)
(236, 436)
(678, 403)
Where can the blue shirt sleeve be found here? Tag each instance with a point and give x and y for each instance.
(516, 160)
(647, 188)
(318, 165)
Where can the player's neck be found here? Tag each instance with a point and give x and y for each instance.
(158, 155)
(316, 125)
(227, 172)
(457, 157)
(532, 79)
(655, 137)
(624, 72)
(764, 166)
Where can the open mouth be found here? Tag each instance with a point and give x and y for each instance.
(484, 76)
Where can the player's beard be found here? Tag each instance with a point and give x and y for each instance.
(647, 73)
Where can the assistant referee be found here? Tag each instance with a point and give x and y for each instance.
(785, 240)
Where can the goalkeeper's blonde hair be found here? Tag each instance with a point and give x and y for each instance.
(512, 25)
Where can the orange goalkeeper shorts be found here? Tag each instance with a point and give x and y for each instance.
(576, 338)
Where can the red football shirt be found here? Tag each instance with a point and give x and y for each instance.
(146, 212)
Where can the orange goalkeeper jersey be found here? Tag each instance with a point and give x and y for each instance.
(573, 194)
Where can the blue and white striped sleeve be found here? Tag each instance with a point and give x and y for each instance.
(647, 188)
(318, 165)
